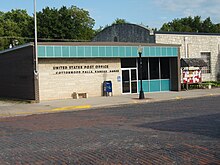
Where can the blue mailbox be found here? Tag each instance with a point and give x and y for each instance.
(107, 88)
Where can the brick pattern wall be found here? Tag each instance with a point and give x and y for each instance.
(17, 74)
(57, 79)
(194, 45)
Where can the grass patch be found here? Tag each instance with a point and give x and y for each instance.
(203, 85)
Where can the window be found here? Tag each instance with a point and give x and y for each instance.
(115, 39)
(206, 56)
(145, 69)
(165, 68)
(128, 62)
(154, 68)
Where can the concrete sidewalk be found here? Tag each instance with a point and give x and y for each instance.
(9, 109)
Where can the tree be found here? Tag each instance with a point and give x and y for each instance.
(65, 23)
(119, 21)
(190, 24)
(13, 25)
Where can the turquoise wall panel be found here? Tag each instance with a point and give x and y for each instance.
(146, 51)
(158, 51)
(175, 51)
(165, 85)
(134, 52)
(115, 52)
(154, 85)
(101, 53)
(122, 51)
(128, 51)
(104, 51)
(41, 51)
(164, 51)
(152, 51)
(73, 51)
(108, 51)
(49, 51)
(88, 51)
(95, 51)
(65, 51)
(145, 85)
(81, 51)
(169, 52)
(57, 51)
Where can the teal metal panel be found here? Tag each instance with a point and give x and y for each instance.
(154, 85)
(81, 51)
(146, 51)
(145, 85)
(158, 51)
(104, 51)
(152, 51)
(65, 51)
(164, 51)
(128, 51)
(49, 51)
(41, 51)
(95, 51)
(115, 51)
(165, 85)
(73, 52)
(175, 51)
(108, 51)
(101, 53)
(121, 51)
(169, 52)
(88, 51)
(134, 52)
(57, 51)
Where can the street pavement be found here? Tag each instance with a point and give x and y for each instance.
(174, 132)
(19, 108)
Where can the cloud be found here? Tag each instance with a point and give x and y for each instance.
(204, 8)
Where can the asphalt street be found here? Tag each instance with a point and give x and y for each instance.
(169, 132)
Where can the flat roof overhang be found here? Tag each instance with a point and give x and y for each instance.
(100, 49)
(104, 50)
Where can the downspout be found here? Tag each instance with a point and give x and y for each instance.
(186, 48)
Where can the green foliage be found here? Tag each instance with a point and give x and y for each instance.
(119, 21)
(13, 25)
(190, 24)
(65, 23)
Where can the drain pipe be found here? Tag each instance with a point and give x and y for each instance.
(186, 48)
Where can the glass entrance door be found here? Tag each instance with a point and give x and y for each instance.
(129, 80)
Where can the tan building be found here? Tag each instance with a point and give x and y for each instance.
(196, 45)
(68, 69)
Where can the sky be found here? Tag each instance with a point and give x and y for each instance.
(152, 13)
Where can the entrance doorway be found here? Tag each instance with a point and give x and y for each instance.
(129, 80)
